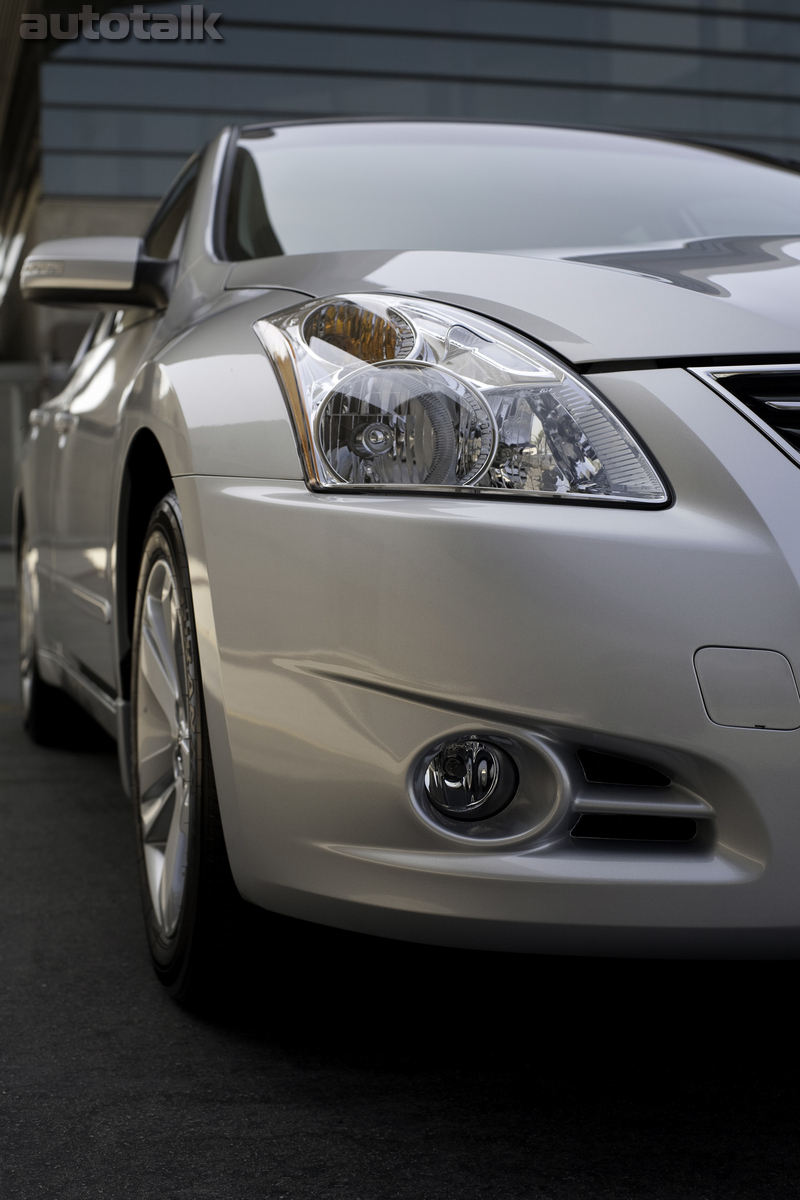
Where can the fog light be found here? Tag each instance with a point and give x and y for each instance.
(470, 779)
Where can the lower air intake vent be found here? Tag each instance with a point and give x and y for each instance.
(772, 396)
(630, 828)
(619, 772)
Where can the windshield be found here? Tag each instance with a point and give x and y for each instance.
(514, 189)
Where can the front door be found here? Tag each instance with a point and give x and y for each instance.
(41, 453)
(84, 508)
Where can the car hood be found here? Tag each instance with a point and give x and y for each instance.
(709, 298)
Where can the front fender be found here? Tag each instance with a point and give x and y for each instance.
(213, 401)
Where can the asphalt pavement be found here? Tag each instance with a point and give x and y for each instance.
(334, 1065)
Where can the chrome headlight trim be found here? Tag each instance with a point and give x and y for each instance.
(396, 394)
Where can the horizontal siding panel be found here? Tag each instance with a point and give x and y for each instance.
(254, 89)
(104, 130)
(120, 117)
(485, 18)
(698, 27)
(108, 175)
(298, 96)
(438, 58)
(314, 95)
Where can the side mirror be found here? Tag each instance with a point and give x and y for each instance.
(97, 272)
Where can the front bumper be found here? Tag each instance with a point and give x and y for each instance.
(343, 636)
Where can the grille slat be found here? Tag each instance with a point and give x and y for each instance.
(772, 396)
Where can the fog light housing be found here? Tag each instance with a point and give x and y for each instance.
(470, 780)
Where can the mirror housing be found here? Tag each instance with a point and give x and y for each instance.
(97, 272)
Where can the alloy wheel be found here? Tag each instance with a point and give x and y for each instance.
(164, 746)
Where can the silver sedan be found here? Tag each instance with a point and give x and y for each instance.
(420, 517)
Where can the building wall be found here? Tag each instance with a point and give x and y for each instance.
(118, 118)
(20, 391)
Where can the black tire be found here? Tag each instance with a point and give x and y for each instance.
(43, 706)
(187, 939)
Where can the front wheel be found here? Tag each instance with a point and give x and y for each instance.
(187, 891)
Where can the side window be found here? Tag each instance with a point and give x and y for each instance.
(248, 232)
(164, 236)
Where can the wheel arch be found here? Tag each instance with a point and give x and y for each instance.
(146, 479)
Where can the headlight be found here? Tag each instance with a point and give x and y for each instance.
(390, 392)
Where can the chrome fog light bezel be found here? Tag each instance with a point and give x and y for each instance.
(539, 809)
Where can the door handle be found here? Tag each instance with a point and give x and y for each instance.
(64, 421)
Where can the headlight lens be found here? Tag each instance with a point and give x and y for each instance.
(398, 423)
(389, 392)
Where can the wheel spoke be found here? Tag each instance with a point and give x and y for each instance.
(154, 807)
(160, 675)
(154, 865)
(172, 876)
(160, 616)
(155, 758)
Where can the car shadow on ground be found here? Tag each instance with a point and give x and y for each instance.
(551, 1076)
(325, 1063)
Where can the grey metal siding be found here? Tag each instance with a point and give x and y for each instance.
(120, 117)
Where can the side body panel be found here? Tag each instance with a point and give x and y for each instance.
(85, 481)
(37, 469)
